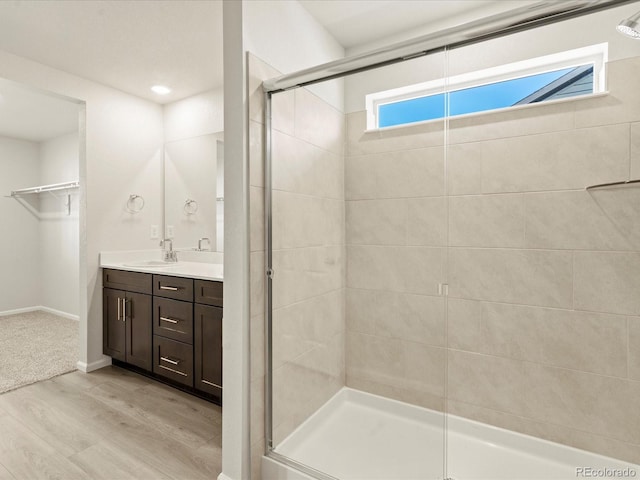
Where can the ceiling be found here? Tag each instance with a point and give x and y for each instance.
(357, 22)
(130, 45)
(134, 44)
(30, 115)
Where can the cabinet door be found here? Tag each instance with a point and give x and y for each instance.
(208, 349)
(139, 322)
(113, 325)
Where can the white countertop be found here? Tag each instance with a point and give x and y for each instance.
(135, 262)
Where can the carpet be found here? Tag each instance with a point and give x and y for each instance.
(35, 346)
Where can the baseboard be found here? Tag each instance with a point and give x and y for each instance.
(41, 309)
(97, 365)
(19, 310)
(60, 313)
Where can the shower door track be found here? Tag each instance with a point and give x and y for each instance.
(524, 18)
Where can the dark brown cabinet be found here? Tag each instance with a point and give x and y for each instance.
(170, 327)
(173, 359)
(127, 327)
(173, 328)
(114, 330)
(208, 348)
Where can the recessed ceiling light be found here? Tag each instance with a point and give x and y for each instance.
(160, 89)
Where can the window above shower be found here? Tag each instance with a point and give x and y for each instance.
(572, 73)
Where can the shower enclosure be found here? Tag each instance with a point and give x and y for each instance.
(446, 298)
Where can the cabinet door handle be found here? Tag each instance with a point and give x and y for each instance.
(119, 309)
(124, 309)
(168, 360)
(170, 320)
(173, 289)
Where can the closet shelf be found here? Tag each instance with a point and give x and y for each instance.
(45, 188)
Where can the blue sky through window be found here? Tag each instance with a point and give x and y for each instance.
(474, 99)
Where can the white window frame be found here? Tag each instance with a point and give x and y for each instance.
(593, 54)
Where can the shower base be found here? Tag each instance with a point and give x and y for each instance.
(358, 436)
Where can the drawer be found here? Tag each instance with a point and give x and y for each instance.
(129, 281)
(172, 359)
(173, 319)
(208, 292)
(177, 288)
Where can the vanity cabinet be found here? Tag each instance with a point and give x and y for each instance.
(169, 327)
(173, 328)
(126, 317)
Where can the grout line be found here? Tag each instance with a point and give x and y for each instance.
(498, 302)
(306, 299)
(472, 247)
(546, 365)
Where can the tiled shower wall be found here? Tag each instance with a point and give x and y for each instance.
(542, 333)
(308, 256)
(396, 239)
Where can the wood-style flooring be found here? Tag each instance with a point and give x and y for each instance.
(110, 424)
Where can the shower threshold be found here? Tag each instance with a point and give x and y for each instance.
(357, 435)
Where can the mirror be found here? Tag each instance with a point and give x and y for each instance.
(193, 192)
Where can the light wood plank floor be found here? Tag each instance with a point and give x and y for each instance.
(110, 424)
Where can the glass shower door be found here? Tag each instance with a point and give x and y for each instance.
(542, 299)
(358, 325)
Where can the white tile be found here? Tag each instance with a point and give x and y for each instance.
(399, 269)
(402, 174)
(487, 221)
(590, 342)
(565, 160)
(376, 222)
(530, 277)
(607, 282)
(571, 220)
(427, 221)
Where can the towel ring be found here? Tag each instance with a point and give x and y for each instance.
(190, 206)
(135, 204)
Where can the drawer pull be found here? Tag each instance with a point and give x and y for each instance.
(211, 383)
(174, 371)
(168, 360)
(170, 320)
(173, 289)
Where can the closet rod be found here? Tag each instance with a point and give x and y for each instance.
(46, 188)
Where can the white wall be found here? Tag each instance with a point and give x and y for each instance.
(121, 156)
(575, 33)
(194, 116)
(58, 230)
(19, 253)
(287, 37)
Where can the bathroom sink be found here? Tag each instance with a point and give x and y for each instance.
(150, 264)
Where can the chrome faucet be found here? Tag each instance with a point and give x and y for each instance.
(204, 239)
(169, 254)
